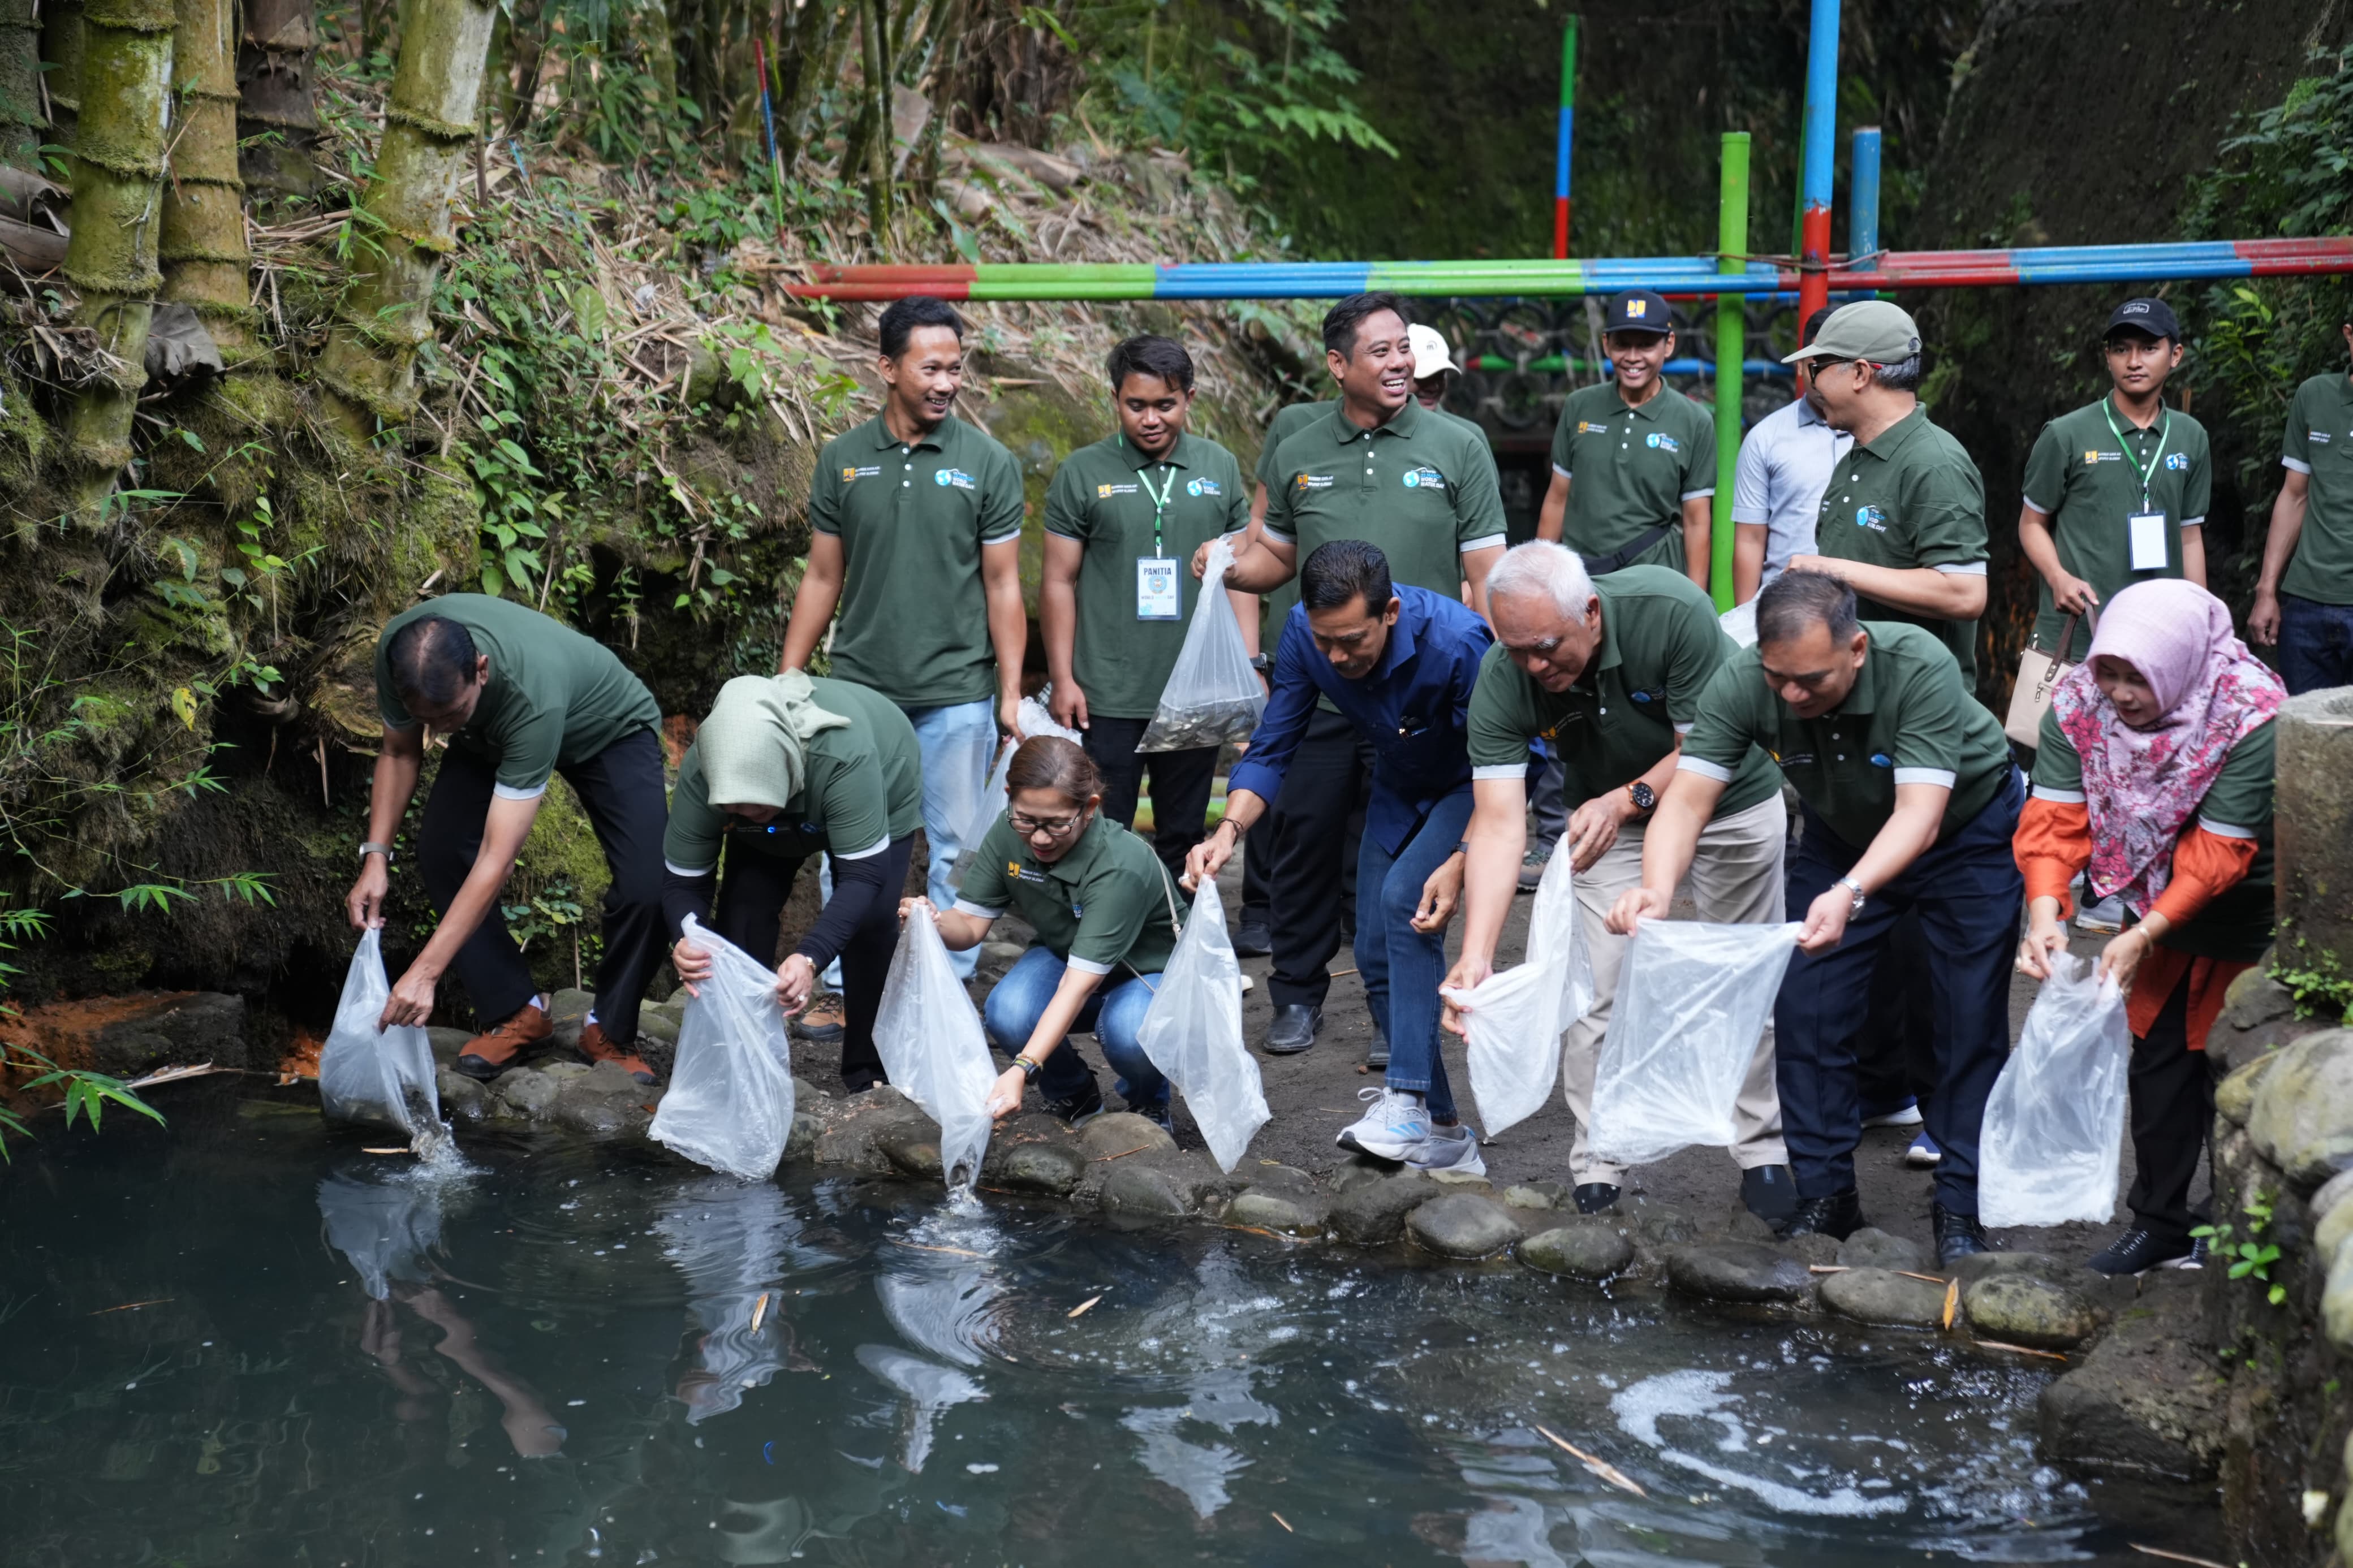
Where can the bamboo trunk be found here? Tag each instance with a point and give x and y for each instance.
(204, 252)
(275, 115)
(21, 120)
(878, 152)
(369, 368)
(117, 170)
(61, 49)
(648, 24)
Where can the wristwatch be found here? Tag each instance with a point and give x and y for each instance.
(383, 849)
(1861, 898)
(1645, 798)
(1262, 662)
(1030, 1066)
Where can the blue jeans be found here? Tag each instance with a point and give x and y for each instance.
(1966, 889)
(959, 742)
(2315, 644)
(1114, 1013)
(1401, 967)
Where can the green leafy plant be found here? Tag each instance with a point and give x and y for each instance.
(2319, 982)
(2251, 1257)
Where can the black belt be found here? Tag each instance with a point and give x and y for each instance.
(1602, 566)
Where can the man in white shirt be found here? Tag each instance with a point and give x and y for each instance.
(1786, 461)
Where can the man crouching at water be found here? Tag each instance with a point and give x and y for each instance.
(519, 697)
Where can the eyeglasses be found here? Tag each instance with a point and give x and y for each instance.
(1047, 826)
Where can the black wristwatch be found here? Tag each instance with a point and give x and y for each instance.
(1030, 1066)
(1262, 662)
(1645, 798)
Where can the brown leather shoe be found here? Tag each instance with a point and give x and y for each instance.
(823, 1019)
(597, 1049)
(495, 1049)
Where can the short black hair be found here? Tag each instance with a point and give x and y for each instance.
(1343, 570)
(1814, 325)
(1164, 359)
(1341, 321)
(432, 661)
(902, 317)
(1797, 599)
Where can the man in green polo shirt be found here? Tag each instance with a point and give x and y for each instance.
(1634, 460)
(1902, 519)
(2115, 492)
(1910, 803)
(1423, 487)
(1609, 671)
(1122, 518)
(519, 697)
(915, 534)
(2304, 597)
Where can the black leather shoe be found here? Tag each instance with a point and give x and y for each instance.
(1592, 1197)
(1253, 936)
(1770, 1193)
(1377, 1051)
(1958, 1236)
(1294, 1029)
(1837, 1214)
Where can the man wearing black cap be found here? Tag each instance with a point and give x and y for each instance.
(1633, 462)
(2115, 491)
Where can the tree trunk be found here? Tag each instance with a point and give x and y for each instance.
(21, 120)
(530, 33)
(274, 64)
(878, 152)
(204, 251)
(369, 365)
(61, 48)
(117, 170)
(648, 24)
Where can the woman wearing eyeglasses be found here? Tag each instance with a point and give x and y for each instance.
(788, 767)
(1106, 918)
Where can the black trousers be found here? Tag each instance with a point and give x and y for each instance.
(1180, 785)
(621, 790)
(752, 888)
(2172, 1116)
(1258, 855)
(1895, 1050)
(1319, 817)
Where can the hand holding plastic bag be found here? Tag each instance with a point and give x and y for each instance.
(1193, 1034)
(932, 1045)
(365, 1074)
(1213, 696)
(1035, 720)
(1514, 1020)
(1692, 1002)
(730, 1103)
(2053, 1136)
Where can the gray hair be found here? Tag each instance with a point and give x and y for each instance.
(1799, 599)
(1541, 566)
(1904, 376)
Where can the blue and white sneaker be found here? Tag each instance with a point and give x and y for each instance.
(1924, 1154)
(1394, 1126)
(1905, 1113)
(1450, 1149)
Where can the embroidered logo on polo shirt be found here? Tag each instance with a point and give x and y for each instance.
(1078, 911)
(1872, 518)
(956, 477)
(1424, 478)
(2319, 436)
(1105, 492)
(1794, 760)
(1587, 427)
(1882, 759)
(1645, 696)
(849, 474)
(1203, 488)
(1314, 481)
(1020, 873)
(1663, 441)
(2177, 459)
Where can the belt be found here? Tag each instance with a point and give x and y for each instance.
(1602, 566)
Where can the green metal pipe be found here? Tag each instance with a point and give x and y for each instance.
(1731, 350)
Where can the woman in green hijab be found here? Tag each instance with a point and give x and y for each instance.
(786, 767)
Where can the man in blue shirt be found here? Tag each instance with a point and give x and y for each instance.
(1399, 663)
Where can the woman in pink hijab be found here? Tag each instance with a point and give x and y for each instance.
(2155, 775)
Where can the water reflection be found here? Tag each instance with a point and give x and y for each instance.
(735, 1244)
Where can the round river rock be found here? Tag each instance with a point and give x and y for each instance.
(1595, 1249)
(2022, 1309)
(1461, 1225)
(1884, 1296)
(1738, 1271)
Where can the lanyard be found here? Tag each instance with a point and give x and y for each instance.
(1160, 502)
(2164, 432)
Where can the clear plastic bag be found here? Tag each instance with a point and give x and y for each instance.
(730, 1101)
(2053, 1137)
(932, 1045)
(1740, 623)
(1514, 1020)
(1213, 696)
(1036, 718)
(1193, 1034)
(381, 1077)
(1693, 1001)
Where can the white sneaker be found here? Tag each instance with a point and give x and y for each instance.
(1450, 1149)
(1394, 1127)
(2106, 917)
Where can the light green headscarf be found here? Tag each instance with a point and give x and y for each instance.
(755, 745)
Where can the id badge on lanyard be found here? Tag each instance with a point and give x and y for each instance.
(2145, 530)
(2147, 540)
(1158, 596)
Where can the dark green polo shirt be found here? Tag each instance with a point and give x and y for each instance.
(862, 787)
(2236, 927)
(1422, 487)
(1108, 902)
(2319, 442)
(1274, 605)
(1908, 719)
(2088, 484)
(1660, 647)
(912, 522)
(1911, 498)
(1630, 469)
(554, 697)
(1103, 496)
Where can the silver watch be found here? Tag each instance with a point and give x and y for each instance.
(1861, 898)
(383, 849)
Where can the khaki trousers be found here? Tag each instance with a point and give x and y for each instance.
(1736, 880)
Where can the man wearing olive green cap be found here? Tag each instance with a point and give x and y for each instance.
(1903, 519)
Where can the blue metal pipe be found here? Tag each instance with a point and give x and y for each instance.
(1822, 128)
(1863, 201)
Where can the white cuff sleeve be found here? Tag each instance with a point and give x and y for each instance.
(1563, 473)
(1753, 517)
(1013, 532)
(2059, 796)
(2292, 465)
(675, 870)
(1941, 777)
(1086, 966)
(2198, 522)
(509, 792)
(966, 907)
(1484, 541)
(1273, 532)
(1963, 568)
(1706, 769)
(867, 853)
(2225, 829)
(1694, 495)
(2037, 507)
(1504, 771)
(1682, 730)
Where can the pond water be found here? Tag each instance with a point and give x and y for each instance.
(243, 1340)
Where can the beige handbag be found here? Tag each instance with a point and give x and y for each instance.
(2038, 675)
